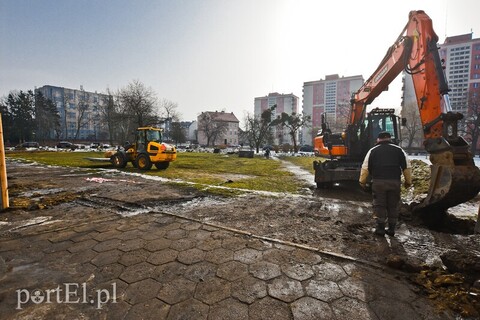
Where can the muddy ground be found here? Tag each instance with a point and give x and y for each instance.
(443, 262)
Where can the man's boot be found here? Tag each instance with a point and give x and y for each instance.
(380, 229)
(391, 229)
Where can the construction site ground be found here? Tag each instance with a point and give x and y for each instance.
(104, 244)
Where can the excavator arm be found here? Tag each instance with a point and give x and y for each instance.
(454, 177)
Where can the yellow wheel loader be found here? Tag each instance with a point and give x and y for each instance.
(147, 150)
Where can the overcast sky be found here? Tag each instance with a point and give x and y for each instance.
(208, 55)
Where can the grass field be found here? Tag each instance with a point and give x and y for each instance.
(229, 171)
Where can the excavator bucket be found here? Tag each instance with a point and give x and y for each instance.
(454, 180)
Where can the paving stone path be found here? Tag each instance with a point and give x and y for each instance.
(157, 266)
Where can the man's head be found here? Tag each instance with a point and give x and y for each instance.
(384, 136)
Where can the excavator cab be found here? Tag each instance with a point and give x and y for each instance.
(379, 120)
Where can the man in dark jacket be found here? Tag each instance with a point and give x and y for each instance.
(385, 163)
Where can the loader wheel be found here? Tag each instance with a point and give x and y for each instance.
(162, 165)
(143, 162)
(118, 161)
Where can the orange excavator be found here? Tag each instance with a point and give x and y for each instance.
(454, 177)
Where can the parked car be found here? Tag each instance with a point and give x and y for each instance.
(30, 144)
(66, 145)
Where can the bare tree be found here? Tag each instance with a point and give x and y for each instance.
(211, 128)
(170, 115)
(168, 109)
(293, 122)
(258, 129)
(108, 112)
(412, 131)
(47, 118)
(83, 106)
(138, 100)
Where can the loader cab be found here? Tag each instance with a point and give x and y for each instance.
(145, 135)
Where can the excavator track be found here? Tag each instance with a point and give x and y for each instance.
(455, 179)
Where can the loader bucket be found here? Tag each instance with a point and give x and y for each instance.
(454, 180)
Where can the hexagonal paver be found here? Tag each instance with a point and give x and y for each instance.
(107, 245)
(277, 256)
(201, 271)
(357, 289)
(298, 272)
(234, 243)
(109, 272)
(170, 226)
(58, 246)
(162, 256)
(213, 290)
(232, 270)
(158, 244)
(265, 270)
(82, 256)
(285, 289)
(199, 234)
(131, 234)
(189, 309)
(82, 237)
(132, 244)
(165, 220)
(82, 245)
(323, 290)
(137, 272)
(102, 236)
(209, 244)
(309, 308)
(142, 291)
(153, 235)
(329, 271)
(219, 255)
(183, 244)
(150, 309)
(169, 271)
(249, 289)
(133, 257)
(175, 234)
(191, 256)
(177, 291)
(269, 308)
(247, 255)
(229, 309)
(107, 257)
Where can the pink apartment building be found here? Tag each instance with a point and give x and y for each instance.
(330, 96)
(287, 103)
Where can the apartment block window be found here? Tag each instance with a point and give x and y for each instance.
(476, 85)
